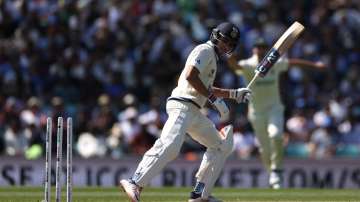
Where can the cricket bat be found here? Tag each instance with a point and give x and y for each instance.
(280, 47)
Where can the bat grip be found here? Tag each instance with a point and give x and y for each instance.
(253, 79)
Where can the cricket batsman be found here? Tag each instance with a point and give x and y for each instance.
(194, 90)
(266, 111)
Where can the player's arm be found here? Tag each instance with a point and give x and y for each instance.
(221, 92)
(192, 76)
(240, 94)
(306, 64)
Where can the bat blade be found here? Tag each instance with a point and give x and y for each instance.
(289, 37)
(286, 40)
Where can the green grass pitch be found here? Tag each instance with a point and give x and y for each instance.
(98, 194)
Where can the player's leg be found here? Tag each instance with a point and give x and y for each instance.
(276, 130)
(219, 146)
(259, 123)
(165, 149)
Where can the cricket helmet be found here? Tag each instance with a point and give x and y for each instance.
(226, 32)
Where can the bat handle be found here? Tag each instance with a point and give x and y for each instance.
(253, 79)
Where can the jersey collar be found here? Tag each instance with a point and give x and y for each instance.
(214, 48)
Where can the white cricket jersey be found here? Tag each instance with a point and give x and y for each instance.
(204, 58)
(265, 91)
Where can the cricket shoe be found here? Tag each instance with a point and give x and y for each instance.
(131, 189)
(276, 179)
(194, 197)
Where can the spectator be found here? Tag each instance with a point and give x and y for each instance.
(57, 58)
(298, 137)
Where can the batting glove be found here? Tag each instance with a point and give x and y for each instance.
(220, 106)
(240, 95)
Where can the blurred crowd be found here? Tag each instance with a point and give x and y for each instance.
(111, 65)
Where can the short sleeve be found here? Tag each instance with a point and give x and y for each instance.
(200, 58)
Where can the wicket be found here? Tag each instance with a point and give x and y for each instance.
(59, 142)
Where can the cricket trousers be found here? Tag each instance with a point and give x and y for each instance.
(185, 117)
(268, 125)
